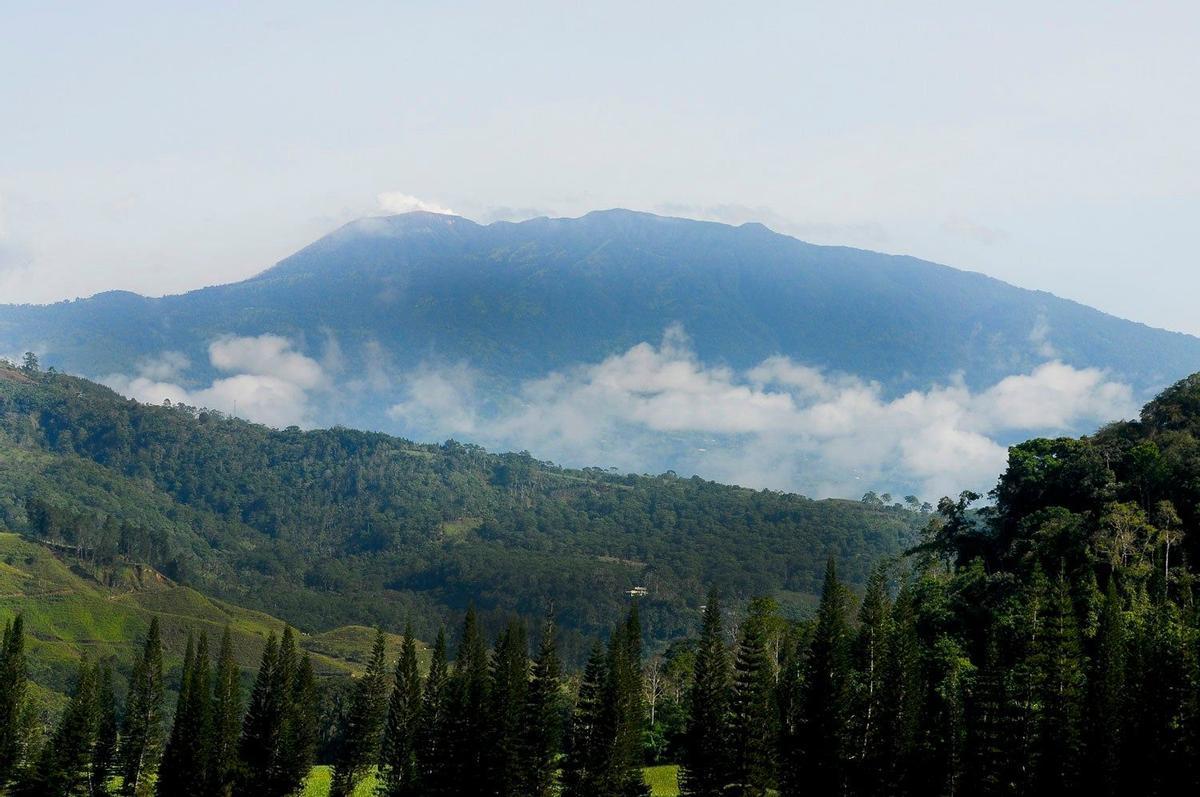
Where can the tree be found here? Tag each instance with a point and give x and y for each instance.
(468, 715)
(1106, 699)
(1061, 692)
(587, 752)
(65, 765)
(753, 715)
(142, 732)
(507, 695)
(398, 761)
(104, 758)
(822, 730)
(434, 771)
(364, 726)
(705, 769)
(185, 763)
(29, 363)
(542, 734)
(624, 716)
(278, 736)
(868, 689)
(13, 680)
(226, 721)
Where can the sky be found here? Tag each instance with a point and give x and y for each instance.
(159, 147)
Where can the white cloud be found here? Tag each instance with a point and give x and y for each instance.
(399, 202)
(268, 381)
(265, 355)
(780, 424)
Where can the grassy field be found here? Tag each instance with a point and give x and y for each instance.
(664, 782)
(71, 608)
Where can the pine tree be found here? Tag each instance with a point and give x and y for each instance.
(13, 680)
(901, 703)
(588, 741)
(299, 746)
(398, 761)
(1061, 693)
(142, 732)
(258, 747)
(867, 754)
(507, 693)
(624, 710)
(226, 721)
(822, 730)
(192, 730)
(65, 765)
(104, 757)
(1105, 703)
(543, 718)
(173, 771)
(364, 725)
(468, 716)
(435, 775)
(705, 770)
(753, 715)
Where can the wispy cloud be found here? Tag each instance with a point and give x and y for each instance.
(400, 202)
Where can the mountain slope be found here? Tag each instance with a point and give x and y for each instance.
(72, 607)
(517, 300)
(330, 527)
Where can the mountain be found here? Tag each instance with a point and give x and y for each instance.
(331, 527)
(516, 300)
(432, 326)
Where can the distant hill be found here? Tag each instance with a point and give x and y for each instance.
(516, 300)
(330, 527)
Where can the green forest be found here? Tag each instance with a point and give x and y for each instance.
(1045, 640)
(333, 527)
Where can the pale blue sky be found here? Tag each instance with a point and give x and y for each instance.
(162, 146)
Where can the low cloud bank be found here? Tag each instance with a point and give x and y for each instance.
(780, 424)
(268, 381)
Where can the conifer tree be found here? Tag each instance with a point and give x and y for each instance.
(752, 715)
(364, 726)
(507, 695)
(543, 732)
(468, 716)
(624, 716)
(867, 754)
(13, 680)
(142, 731)
(398, 761)
(822, 728)
(588, 741)
(258, 748)
(1105, 701)
(226, 721)
(705, 770)
(104, 759)
(65, 765)
(173, 771)
(434, 772)
(196, 732)
(300, 726)
(901, 704)
(1061, 693)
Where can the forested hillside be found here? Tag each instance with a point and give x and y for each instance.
(331, 527)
